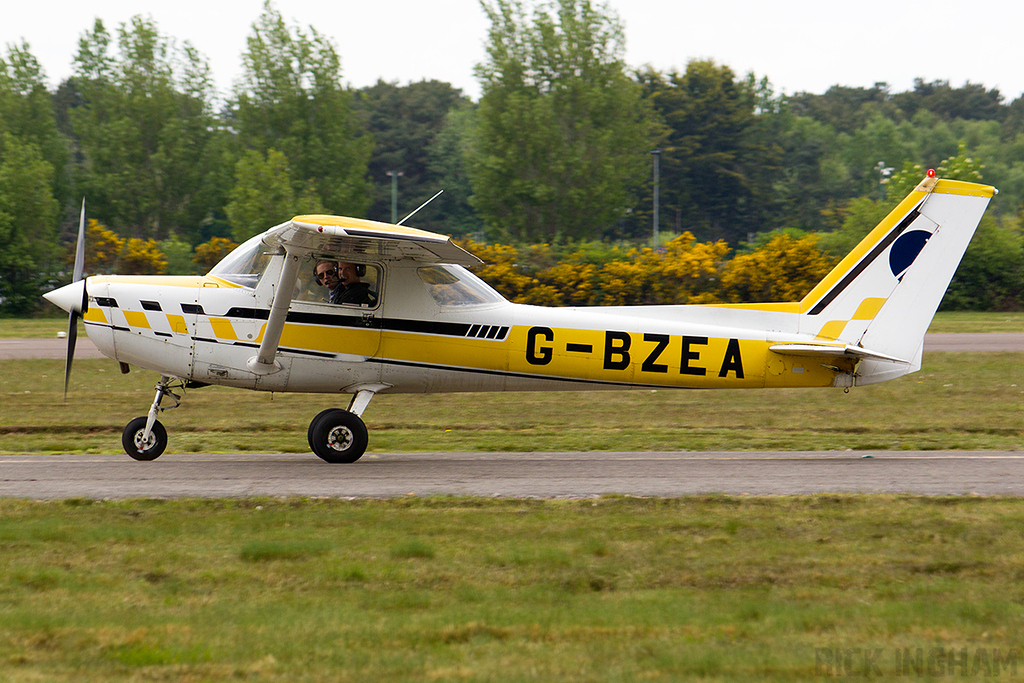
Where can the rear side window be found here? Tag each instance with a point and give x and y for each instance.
(455, 286)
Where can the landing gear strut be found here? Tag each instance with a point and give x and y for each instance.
(144, 438)
(339, 436)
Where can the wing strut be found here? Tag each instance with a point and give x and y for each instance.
(265, 361)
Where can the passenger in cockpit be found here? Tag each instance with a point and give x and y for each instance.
(342, 279)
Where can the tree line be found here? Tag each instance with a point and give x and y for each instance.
(557, 151)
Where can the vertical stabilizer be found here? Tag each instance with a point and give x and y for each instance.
(883, 295)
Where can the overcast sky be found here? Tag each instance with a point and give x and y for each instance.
(799, 45)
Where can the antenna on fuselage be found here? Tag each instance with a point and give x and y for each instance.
(419, 207)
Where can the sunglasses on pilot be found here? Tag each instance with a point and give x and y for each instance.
(320, 276)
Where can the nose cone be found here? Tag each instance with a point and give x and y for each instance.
(68, 297)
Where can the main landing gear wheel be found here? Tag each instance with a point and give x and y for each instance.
(150, 449)
(338, 436)
(312, 425)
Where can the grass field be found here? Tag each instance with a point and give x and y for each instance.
(610, 589)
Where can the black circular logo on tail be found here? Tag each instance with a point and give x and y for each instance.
(905, 250)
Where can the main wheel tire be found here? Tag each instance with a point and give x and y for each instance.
(131, 439)
(339, 436)
(312, 425)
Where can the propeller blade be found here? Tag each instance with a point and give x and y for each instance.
(80, 247)
(74, 315)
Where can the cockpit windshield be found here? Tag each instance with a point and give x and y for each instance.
(245, 264)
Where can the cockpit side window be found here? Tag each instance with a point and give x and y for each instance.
(362, 294)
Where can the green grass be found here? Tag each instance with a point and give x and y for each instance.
(440, 589)
(36, 328)
(958, 401)
(976, 321)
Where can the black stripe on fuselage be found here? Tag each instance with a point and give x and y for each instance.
(393, 324)
(518, 375)
(282, 349)
(866, 261)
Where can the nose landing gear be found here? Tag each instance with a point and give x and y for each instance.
(144, 438)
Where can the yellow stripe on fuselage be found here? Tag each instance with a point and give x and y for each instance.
(616, 357)
(358, 341)
(95, 315)
(136, 319)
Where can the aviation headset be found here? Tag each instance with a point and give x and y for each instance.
(360, 268)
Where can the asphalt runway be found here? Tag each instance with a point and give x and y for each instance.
(514, 475)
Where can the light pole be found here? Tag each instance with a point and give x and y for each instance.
(394, 194)
(657, 181)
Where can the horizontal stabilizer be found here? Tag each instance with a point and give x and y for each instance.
(846, 350)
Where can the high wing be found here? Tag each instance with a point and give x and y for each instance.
(343, 238)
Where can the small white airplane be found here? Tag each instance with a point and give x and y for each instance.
(260, 320)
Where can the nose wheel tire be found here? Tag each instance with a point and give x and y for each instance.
(338, 436)
(151, 448)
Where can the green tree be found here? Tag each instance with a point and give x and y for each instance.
(405, 121)
(290, 98)
(26, 111)
(178, 253)
(447, 165)
(153, 156)
(812, 180)
(989, 276)
(860, 216)
(28, 218)
(710, 148)
(263, 195)
(562, 133)
(845, 109)
(970, 101)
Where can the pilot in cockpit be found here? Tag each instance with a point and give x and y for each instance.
(343, 283)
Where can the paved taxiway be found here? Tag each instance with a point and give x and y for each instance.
(542, 475)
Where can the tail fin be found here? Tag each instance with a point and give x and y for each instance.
(883, 295)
